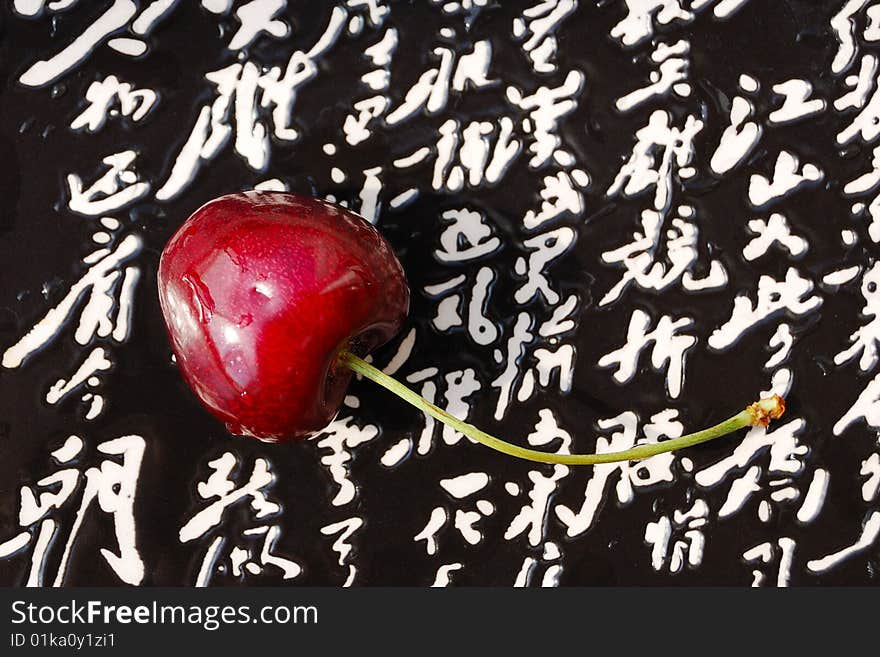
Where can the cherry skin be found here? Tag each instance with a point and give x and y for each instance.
(261, 291)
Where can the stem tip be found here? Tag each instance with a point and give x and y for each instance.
(764, 410)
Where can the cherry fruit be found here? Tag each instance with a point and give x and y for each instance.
(261, 291)
(272, 299)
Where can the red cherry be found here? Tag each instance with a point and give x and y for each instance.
(261, 292)
(271, 300)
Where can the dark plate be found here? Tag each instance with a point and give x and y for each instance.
(524, 196)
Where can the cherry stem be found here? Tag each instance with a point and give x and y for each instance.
(759, 413)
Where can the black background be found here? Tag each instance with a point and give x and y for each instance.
(41, 245)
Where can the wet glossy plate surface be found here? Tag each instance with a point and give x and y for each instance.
(617, 219)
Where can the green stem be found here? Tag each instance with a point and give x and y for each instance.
(758, 413)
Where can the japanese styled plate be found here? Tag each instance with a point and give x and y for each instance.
(619, 219)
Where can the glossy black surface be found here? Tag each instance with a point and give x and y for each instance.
(42, 244)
